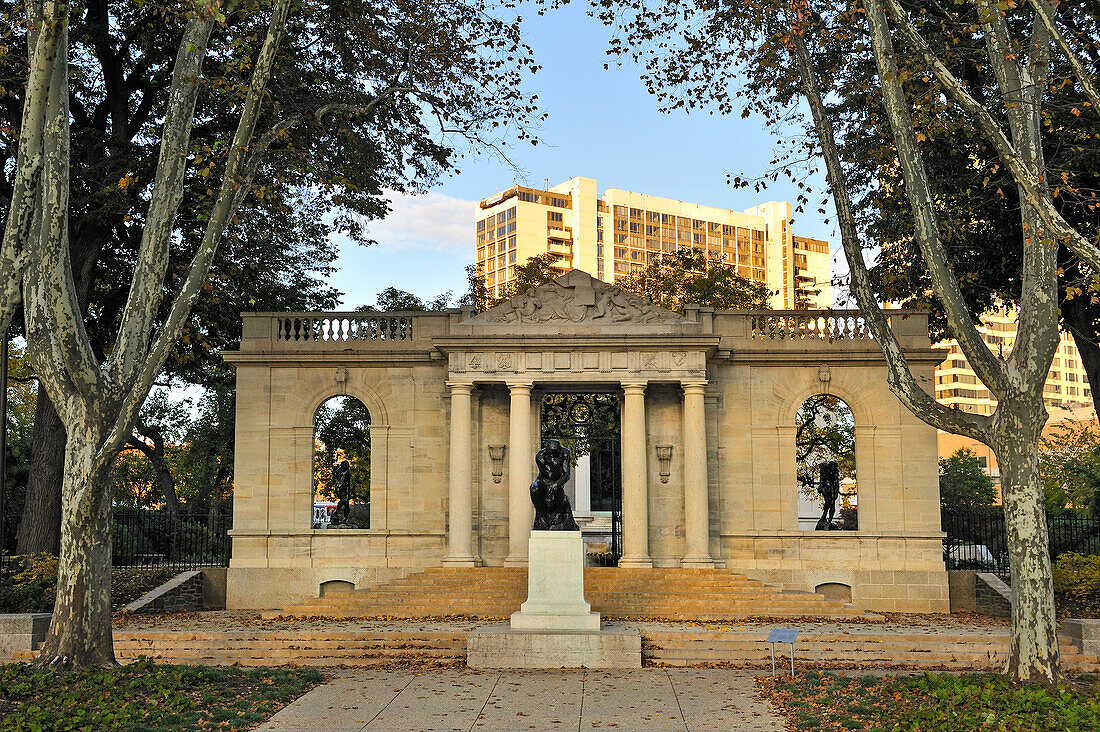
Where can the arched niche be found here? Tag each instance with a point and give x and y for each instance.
(341, 464)
(825, 464)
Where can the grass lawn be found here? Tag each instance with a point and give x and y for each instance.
(146, 696)
(933, 703)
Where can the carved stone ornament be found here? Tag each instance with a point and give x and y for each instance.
(577, 297)
(823, 374)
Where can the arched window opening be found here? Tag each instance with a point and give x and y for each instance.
(825, 447)
(341, 465)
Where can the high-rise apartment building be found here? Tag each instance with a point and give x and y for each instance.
(957, 385)
(608, 236)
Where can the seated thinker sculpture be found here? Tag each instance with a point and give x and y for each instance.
(552, 509)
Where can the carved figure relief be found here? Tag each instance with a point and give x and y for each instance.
(577, 298)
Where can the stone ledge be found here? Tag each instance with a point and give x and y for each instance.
(502, 647)
(22, 632)
(181, 593)
(992, 596)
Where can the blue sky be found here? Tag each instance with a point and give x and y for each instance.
(602, 124)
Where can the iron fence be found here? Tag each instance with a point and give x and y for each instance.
(976, 538)
(145, 538)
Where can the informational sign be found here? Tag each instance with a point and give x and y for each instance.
(783, 635)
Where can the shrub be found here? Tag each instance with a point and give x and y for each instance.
(32, 586)
(1077, 585)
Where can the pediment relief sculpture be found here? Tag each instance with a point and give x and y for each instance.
(577, 297)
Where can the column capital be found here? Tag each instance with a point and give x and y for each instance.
(693, 386)
(460, 387)
(519, 387)
(634, 386)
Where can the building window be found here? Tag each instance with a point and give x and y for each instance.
(554, 216)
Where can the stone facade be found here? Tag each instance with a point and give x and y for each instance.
(721, 388)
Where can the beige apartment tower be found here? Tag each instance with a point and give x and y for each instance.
(608, 236)
(1067, 384)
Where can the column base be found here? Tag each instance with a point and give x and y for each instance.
(701, 561)
(467, 561)
(515, 561)
(636, 562)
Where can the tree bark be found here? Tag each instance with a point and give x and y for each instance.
(80, 632)
(40, 526)
(1034, 646)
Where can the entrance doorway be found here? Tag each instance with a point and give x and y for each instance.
(588, 424)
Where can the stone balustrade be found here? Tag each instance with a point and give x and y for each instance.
(753, 330)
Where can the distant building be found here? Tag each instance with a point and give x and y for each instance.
(958, 386)
(1066, 393)
(608, 236)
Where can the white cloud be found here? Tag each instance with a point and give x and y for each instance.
(427, 221)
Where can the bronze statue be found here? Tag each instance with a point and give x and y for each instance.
(828, 485)
(341, 479)
(552, 509)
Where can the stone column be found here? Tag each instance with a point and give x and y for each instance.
(696, 501)
(635, 478)
(521, 462)
(460, 500)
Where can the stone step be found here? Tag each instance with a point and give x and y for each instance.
(494, 592)
(306, 645)
(664, 648)
(293, 653)
(638, 609)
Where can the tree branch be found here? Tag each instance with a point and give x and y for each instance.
(989, 368)
(144, 298)
(900, 378)
(232, 182)
(29, 159)
(1045, 13)
(1030, 187)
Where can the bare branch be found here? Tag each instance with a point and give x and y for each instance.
(29, 159)
(1030, 186)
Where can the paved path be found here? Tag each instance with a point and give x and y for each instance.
(463, 699)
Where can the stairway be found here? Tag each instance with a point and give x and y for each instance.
(862, 647)
(822, 649)
(497, 592)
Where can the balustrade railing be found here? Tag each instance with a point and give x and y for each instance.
(825, 325)
(325, 329)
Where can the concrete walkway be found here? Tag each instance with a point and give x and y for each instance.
(465, 699)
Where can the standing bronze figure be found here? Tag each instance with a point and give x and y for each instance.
(552, 509)
(828, 485)
(341, 479)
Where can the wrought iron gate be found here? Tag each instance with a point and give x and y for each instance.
(588, 424)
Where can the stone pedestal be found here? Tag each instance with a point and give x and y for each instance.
(555, 585)
(502, 647)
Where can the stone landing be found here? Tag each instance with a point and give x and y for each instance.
(498, 646)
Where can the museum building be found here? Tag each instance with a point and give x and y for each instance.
(688, 433)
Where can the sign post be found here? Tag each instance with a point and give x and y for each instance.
(783, 635)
